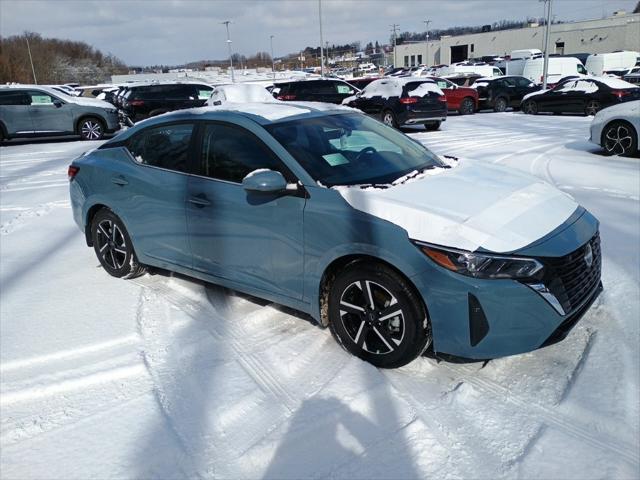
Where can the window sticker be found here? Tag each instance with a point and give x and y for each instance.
(204, 94)
(41, 100)
(344, 89)
(335, 159)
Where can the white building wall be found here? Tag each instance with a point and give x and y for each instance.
(592, 36)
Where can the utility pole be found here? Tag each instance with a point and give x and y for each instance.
(226, 24)
(395, 37)
(321, 41)
(427, 22)
(33, 70)
(545, 68)
(273, 64)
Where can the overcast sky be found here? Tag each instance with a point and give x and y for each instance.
(147, 32)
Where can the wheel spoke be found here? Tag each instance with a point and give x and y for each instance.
(124, 252)
(104, 232)
(393, 312)
(385, 337)
(350, 308)
(363, 331)
(103, 247)
(369, 295)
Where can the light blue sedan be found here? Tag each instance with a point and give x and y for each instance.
(330, 212)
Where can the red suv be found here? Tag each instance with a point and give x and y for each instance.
(462, 99)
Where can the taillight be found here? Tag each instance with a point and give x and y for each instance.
(442, 98)
(620, 93)
(286, 97)
(136, 103)
(72, 171)
(408, 100)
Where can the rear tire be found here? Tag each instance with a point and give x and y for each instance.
(530, 107)
(432, 126)
(91, 128)
(592, 107)
(620, 138)
(113, 246)
(389, 119)
(500, 105)
(388, 334)
(467, 106)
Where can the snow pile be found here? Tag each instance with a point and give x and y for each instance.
(425, 89)
(240, 93)
(392, 87)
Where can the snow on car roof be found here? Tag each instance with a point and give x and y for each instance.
(392, 87)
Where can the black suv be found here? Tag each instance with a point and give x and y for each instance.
(328, 91)
(143, 101)
(403, 101)
(501, 93)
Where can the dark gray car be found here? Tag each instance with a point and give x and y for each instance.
(31, 110)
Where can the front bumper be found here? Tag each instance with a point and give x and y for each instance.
(483, 319)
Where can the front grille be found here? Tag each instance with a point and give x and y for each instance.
(570, 278)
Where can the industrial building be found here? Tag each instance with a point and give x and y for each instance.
(619, 32)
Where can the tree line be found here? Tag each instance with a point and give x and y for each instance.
(55, 61)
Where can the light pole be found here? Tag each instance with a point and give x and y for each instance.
(33, 70)
(395, 36)
(321, 41)
(273, 64)
(226, 24)
(545, 68)
(427, 22)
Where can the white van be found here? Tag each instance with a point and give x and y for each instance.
(526, 53)
(484, 70)
(600, 63)
(558, 67)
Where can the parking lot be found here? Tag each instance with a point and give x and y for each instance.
(165, 376)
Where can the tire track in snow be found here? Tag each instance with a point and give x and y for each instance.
(600, 440)
(21, 218)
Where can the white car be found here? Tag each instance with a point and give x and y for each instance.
(240, 93)
(616, 128)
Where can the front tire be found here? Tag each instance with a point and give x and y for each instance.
(432, 126)
(467, 106)
(530, 107)
(376, 316)
(620, 138)
(500, 105)
(113, 246)
(91, 128)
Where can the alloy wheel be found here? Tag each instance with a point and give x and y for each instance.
(501, 105)
(91, 130)
(618, 139)
(387, 119)
(466, 107)
(592, 107)
(372, 317)
(530, 108)
(112, 246)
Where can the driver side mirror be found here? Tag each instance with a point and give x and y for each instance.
(58, 103)
(264, 181)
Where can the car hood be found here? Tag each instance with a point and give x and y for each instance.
(90, 102)
(469, 206)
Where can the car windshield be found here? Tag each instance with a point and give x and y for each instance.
(352, 149)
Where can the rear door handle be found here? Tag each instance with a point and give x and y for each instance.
(199, 201)
(120, 180)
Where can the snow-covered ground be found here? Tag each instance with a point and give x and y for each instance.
(167, 377)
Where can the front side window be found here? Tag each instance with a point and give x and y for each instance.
(40, 98)
(352, 149)
(231, 153)
(523, 82)
(166, 146)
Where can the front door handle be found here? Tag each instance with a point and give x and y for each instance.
(120, 180)
(199, 201)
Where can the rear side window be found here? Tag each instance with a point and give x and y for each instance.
(166, 146)
(231, 153)
(14, 98)
(40, 98)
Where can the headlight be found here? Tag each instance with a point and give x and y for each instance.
(480, 265)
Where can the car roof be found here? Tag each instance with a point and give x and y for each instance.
(264, 113)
